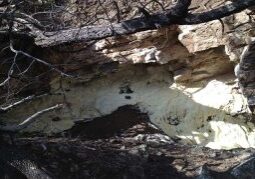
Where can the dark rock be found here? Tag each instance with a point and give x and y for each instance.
(245, 170)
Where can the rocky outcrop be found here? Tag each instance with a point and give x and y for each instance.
(245, 74)
(181, 76)
(132, 148)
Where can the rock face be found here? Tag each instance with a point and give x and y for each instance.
(182, 77)
(245, 74)
(132, 148)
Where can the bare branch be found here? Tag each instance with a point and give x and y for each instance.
(176, 15)
(118, 10)
(7, 108)
(15, 104)
(226, 10)
(29, 120)
(5, 81)
(38, 60)
(127, 27)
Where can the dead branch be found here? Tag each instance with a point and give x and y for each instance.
(17, 52)
(6, 108)
(5, 81)
(29, 120)
(176, 15)
(218, 13)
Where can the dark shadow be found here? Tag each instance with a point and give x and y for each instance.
(9, 172)
(110, 125)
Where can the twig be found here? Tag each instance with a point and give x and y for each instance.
(38, 60)
(7, 108)
(118, 11)
(5, 81)
(29, 120)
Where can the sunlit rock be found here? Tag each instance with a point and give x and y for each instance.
(181, 77)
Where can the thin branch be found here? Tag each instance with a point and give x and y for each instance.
(29, 120)
(117, 11)
(7, 108)
(218, 13)
(38, 60)
(5, 81)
